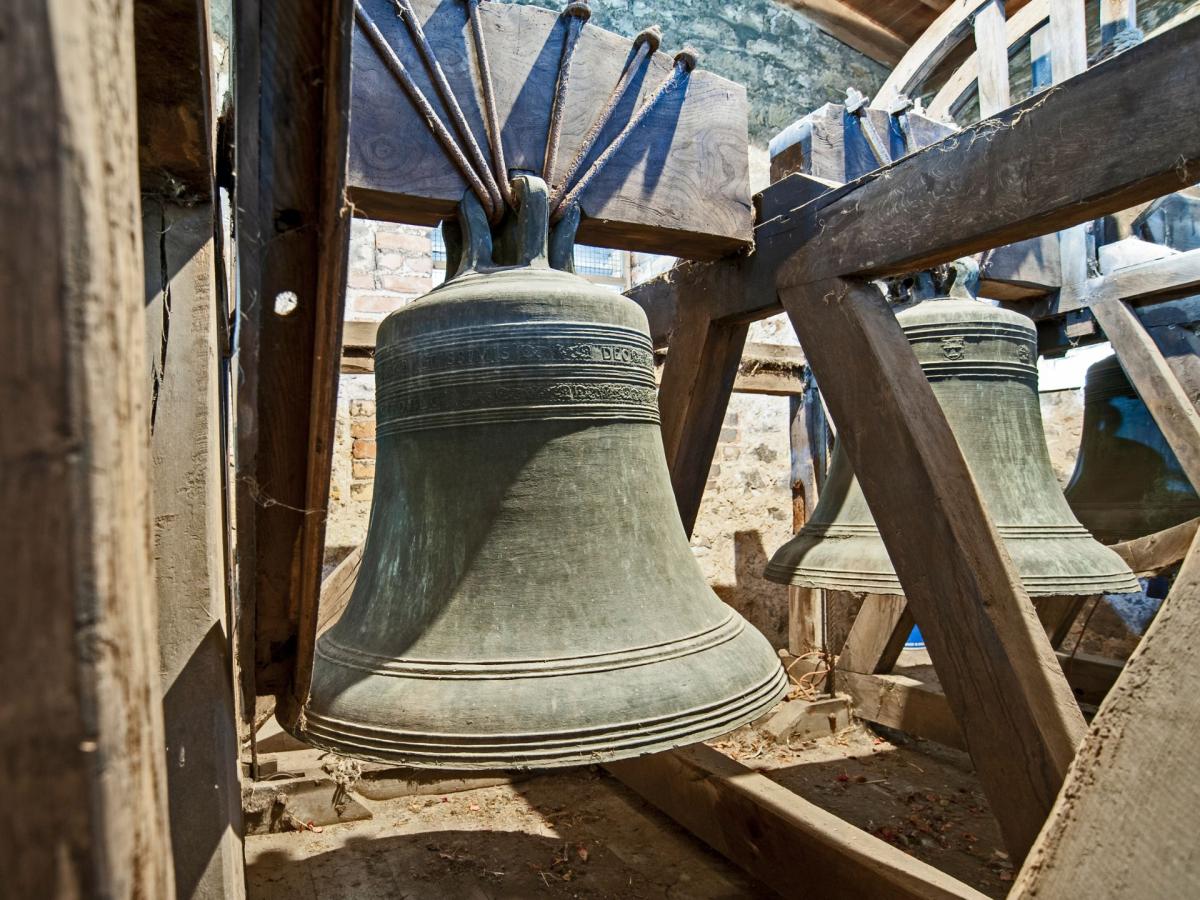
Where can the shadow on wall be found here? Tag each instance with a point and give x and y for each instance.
(763, 603)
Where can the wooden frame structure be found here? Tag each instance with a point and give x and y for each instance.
(81, 635)
(1007, 700)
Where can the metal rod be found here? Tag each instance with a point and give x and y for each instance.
(645, 45)
(440, 131)
(489, 103)
(856, 106)
(577, 13)
(685, 61)
(409, 16)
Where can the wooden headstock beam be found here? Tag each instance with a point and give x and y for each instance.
(679, 186)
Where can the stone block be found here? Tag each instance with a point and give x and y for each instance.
(363, 449)
(404, 241)
(362, 407)
(411, 285)
(363, 428)
(381, 303)
(363, 469)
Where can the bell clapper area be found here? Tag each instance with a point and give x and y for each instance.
(480, 450)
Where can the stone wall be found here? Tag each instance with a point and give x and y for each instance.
(788, 65)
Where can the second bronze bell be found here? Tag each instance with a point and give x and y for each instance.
(981, 363)
(1127, 483)
(527, 596)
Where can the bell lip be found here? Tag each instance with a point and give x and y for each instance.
(878, 583)
(627, 740)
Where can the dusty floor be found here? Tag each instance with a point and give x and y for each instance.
(582, 834)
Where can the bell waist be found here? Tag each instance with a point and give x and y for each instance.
(515, 372)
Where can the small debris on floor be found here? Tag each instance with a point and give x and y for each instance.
(581, 834)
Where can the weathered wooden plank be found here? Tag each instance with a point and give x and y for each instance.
(853, 29)
(991, 50)
(1153, 553)
(989, 185)
(187, 482)
(293, 77)
(1149, 373)
(929, 50)
(707, 283)
(174, 112)
(1017, 712)
(679, 186)
(702, 363)
(1028, 268)
(1126, 820)
(794, 846)
(877, 635)
(1155, 281)
(82, 765)
(953, 94)
(337, 587)
(898, 701)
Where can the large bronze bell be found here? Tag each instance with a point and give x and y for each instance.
(982, 364)
(1127, 482)
(527, 596)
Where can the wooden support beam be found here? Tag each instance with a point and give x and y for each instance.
(1153, 553)
(82, 766)
(788, 843)
(1155, 281)
(1057, 615)
(897, 701)
(993, 183)
(293, 69)
(1126, 820)
(988, 184)
(694, 393)
(877, 636)
(1018, 716)
(853, 28)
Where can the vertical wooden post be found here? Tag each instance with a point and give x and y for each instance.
(1017, 712)
(697, 380)
(194, 639)
(1068, 57)
(991, 49)
(293, 76)
(1116, 16)
(809, 433)
(81, 737)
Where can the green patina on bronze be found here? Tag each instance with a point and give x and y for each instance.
(981, 362)
(1127, 483)
(527, 596)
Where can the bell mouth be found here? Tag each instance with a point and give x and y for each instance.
(605, 715)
